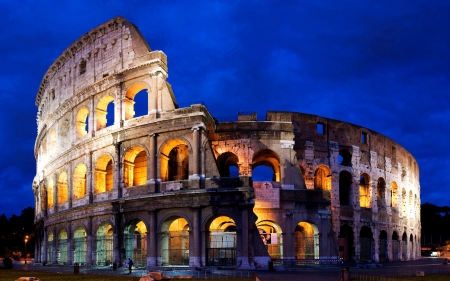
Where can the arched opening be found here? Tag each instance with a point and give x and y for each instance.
(50, 192)
(306, 241)
(79, 182)
(175, 242)
(365, 238)
(381, 193)
(50, 247)
(404, 247)
(228, 164)
(52, 143)
(62, 247)
(82, 121)
(345, 157)
(135, 167)
(221, 245)
(345, 185)
(365, 198)
(103, 174)
(136, 101)
(404, 203)
(104, 112)
(322, 178)
(135, 242)
(346, 249)
(268, 158)
(79, 245)
(411, 240)
(105, 244)
(271, 236)
(383, 252)
(63, 192)
(394, 195)
(395, 247)
(175, 161)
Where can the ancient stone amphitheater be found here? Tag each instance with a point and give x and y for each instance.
(173, 186)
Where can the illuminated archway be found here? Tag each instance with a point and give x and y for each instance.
(175, 242)
(272, 238)
(306, 241)
(63, 192)
(381, 193)
(135, 167)
(135, 242)
(50, 247)
(394, 194)
(404, 203)
(365, 195)
(62, 247)
(138, 88)
(103, 174)
(268, 158)
(101, 112)
(322, 178)
(79, 245)
(79, 182)
(174, 160)
(228, 162)
(105, 244)
(50, 188)
(82, 120)
(221, 242)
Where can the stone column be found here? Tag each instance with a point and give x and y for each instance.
(243, 258)
(117, 170)
(117, 236)
(69, 244)
(196, 172)
(196, 243)
(288, 242)
(151, 240)
(356, 242)
(44, 199)
(376, 244)
(90, 179)
(119, 111)
(89, 251)
(70, 184)
(55, 194)
(55, 246)
(92, 119)
(44, 247)
(152, 159)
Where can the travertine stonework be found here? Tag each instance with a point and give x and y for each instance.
(174, 186)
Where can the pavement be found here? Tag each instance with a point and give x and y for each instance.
(312, 272)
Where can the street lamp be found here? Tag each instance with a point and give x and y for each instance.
(26, 239)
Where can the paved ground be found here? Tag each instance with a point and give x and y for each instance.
(314, 273)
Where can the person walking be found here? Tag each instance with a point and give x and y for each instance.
(130, 264)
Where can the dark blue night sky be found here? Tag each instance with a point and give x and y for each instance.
(384, 65)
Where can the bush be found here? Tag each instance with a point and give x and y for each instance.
(7, 263)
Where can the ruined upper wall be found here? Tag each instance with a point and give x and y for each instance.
(114, 45)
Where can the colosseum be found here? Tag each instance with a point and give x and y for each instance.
(173, 186)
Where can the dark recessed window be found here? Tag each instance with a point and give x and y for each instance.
(82, 67)
(364, 137)
(53, 94)
(320, 128)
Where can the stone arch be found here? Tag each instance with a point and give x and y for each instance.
(101, 111)
(394, 194)
(267, 157)
(306, 241)
(104, 174)
(104, 243)
(345, 188)
(79, 181)
(62, 246)
(366, 243)
(50, 239)
(365, 194)
(322, 178)
(81, 122)
(135, 166)
(50, 192)
(404, 203)
(404, 246)
(130, 95)
(52, 143)
(272, 237)
(63, 190)
(221, 241)
(174, 157)
(345, 157)
(135, 242)
(383, 246)
(225, 161)
(175, 241)
(79, 245)
(411, 252)
(395, 246)
(381, 193)
(346, 247)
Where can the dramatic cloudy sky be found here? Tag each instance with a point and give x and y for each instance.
(383, 65)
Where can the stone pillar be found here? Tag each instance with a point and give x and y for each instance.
(55, 194)
(70, 184)
(151, 240)
(55, 246)
(44, 247)
(69, 243)
(376, 245)
(118, 170)
(196, 172)
(119, 111)
(196, 243)
(89, 251)
(309, 158)
(90, 179)
(356, 242)
(152, 159)
(243, 258)
(92, 119)
(117, 236)
(44, 199)
(288, 241)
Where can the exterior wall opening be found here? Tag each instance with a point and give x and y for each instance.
(395, 247)
(131, 105)
(228, 162)
(346, 248)
(271, 236)
(104, 244)
(345, 157)
(175, 242)
(322, 178)
(174, 160)
(50, 247)
(345, 185)
(104, 113)
(366, 239)
(306, 241)
(394, 195)
(103, 174)
(221, 245)
(79, 182)
(50, 192)
(404, 247)
(381, 193)
(135, 243)
(135, 167)
(383, 251)
(63, 191)
(79, 245)
(62, 247)
(365, 198)
(82, 121)
(141, 103)
(404, 203)
(269, 159)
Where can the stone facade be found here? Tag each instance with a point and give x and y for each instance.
(174, 186)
